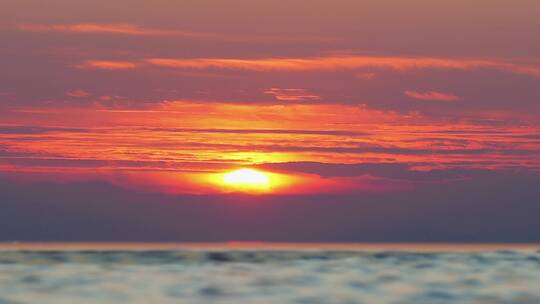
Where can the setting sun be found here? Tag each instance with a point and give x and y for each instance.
(247, 178)
(254, 181)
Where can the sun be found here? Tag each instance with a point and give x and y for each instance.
(248, 178)
(251, 181)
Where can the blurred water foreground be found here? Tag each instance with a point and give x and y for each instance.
(258, 273)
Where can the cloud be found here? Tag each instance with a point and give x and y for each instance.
(366, 76)
(37, 130)
(78, 93)
(114, 28)
(136, 30)
(432, 96)
(394, 171)
(106, 65)
(331, 63)
(361, 148)
(463, 211)
(261, 131)
(264, 133)
(334, 63)
(291, 94)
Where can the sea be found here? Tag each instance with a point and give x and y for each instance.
(267, 273)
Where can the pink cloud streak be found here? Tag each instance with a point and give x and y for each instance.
(106, 65)
(136, 30)
(433, 96)
(333, 63)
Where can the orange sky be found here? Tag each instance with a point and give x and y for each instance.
(143, 92)
(189, 141)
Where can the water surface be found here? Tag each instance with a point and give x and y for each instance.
(269, 273)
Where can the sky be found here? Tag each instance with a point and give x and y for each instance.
(370, 121)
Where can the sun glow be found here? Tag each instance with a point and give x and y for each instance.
(247, 178)
(254, 181)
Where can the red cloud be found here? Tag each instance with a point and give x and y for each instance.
(347, 63)
(78, 93)
(291, 94)
(126, 29)
(135, 30)
(334, 63)
(106, 65)
(433, 96)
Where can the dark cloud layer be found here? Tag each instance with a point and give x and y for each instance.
(21, 130)
(385, 170)
(496, 207)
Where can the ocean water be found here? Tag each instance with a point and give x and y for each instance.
(268, 275)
